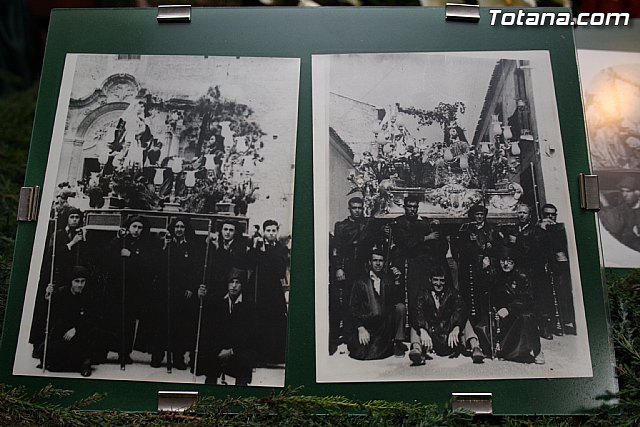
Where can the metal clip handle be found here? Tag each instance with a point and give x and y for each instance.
(589, 192)
(176, 401)
(174, 13)
(28, 203)
(462, 12)
(478, 403)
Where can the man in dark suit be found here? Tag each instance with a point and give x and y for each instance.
(417, 245)
(67, 247)
(71, 334)
(228, 333)
(270, 260)
(526, 239)
(351, 243)
(229, 250)
(377, 312)
(554, 242)
(441, 322)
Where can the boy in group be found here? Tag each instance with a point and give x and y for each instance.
(441, 323)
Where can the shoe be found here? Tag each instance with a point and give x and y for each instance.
(546, 335)
(477, 355)
(85, 371)
(399, 349)
(243, 381)
(180, 365)
(178, 362)
(415, 355)
(539, 359)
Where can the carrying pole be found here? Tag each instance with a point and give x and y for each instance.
(204, 277)
(51, 274)
(123, 339)
(169, 352)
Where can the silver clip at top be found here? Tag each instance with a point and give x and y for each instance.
(589, 192)
(174, 13)
(462, 12)
(28, 203)
(478, 403)
(176, 401)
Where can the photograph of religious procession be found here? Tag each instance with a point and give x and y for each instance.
(447, 250)
(162, 251)
(611, 92)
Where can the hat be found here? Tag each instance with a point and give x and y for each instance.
(475, 209)
(630, 181)
(504, 251)
(78, 271)
(236, 273)
(137, 218)
(376, 250)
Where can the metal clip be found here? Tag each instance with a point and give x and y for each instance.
(589, 192)
(174, 13)
(28, 203)
(478, 403)
(462, 12)
(176, 401)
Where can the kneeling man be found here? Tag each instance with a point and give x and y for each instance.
(228, 333)
(71, 335)
(441, 323)
(377, 312)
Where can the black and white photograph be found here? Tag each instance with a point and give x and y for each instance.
(162, 248)
(444, 241)
(611, 93)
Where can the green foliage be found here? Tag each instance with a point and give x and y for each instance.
(444, 114)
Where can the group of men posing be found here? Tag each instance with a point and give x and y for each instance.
(220, 298)
(480, 289)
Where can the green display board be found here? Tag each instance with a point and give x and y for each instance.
(301, 33)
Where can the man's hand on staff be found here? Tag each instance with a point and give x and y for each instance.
(68, 336)
(213, 238)
(225, 353)
(167, 239)
(78, 237)
(202, 291)
(363, 335)
(49, 291)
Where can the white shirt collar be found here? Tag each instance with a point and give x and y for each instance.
(232, 303)
(375, 280)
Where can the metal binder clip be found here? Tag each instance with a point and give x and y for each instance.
(28, 203)
(462, 12)
(478, 403)
(174, 13)
(176, 401)
(589, 192)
